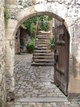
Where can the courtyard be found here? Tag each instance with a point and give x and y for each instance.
(34, 86)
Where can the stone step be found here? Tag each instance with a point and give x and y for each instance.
(38, 42)
(42, 37)
(44, 100)
(42, 45)
(42, 51)
(43, 57)
(41, 34)
(41, 48)
(42, 64)
(43, 60)
(43, 54)
(41, 40)
(44, 33)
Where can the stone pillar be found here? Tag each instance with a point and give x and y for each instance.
(2, 56)
(76, 51)
(10, 53)
(74, 80)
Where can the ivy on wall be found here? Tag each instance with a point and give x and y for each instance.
(5, 17)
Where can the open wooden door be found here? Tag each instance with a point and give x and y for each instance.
(61, 57)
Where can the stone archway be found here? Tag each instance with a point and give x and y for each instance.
(13, 25)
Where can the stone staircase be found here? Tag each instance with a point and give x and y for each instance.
(42, 55)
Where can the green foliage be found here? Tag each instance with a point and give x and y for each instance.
(30, 24)
(45, 26)
(6, 17)
(51, 42)
(33, 30)
(30, 45)
(23, 26)
(44, 22)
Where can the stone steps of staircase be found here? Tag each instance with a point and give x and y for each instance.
(42, 38)
(41, 48)
(43, 60)
(43, 33)
(42, 51)
(42, 64)
(43, 54)
(42, 45)
(41, 42)
(43, 57)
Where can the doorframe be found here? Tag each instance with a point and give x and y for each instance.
(20, 19)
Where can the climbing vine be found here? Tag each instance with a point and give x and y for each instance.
(6, 17)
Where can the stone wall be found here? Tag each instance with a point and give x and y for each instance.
(72, 6)
(2, 55)
(74, 85)
(67, 11)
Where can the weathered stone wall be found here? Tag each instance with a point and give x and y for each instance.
(74, 85)
(2, 55)
(67, 10)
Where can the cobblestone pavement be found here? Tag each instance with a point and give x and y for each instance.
(34, 87)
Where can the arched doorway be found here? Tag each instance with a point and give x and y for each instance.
(60, 74)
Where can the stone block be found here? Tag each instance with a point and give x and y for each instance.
(9, 34)
(11, 29)
(18, 105)
(1, 24)
(0, 11)
(11, 1)
(2, 36)
(11, 24)
(0, 77)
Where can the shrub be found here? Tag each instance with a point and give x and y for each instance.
(30, 45)
(33, 30)
(51, 42)
(30, 27)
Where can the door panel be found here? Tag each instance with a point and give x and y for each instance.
(61, 57)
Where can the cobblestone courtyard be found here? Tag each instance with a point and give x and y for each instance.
(34, 87)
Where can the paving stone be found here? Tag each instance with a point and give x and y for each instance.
(18, 105)
(33, 86)
(33, 80)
